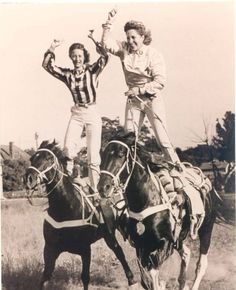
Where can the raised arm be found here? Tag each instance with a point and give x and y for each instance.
(107, 42)
(49, 62)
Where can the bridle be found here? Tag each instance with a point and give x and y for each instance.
(139, 216)
(41, 175)
(126, 164)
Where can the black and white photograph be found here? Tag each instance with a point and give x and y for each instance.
(117, 145)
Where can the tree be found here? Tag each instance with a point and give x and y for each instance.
(30, 151)
(13, 172)
(224, 141)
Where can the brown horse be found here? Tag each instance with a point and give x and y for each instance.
(72, 223)
(151, 216)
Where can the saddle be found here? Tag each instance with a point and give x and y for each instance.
(189, 185)
(174, 181)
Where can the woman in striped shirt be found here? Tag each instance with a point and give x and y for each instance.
(82, 81)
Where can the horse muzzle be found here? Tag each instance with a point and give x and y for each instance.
(33, 180)
(105, 187)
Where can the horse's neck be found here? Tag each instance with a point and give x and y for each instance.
(142, 190)
(63, 202)
(137, 193)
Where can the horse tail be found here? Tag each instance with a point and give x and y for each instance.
(224, 212)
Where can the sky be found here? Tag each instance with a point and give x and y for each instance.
(196, 40)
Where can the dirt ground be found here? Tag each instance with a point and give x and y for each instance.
(22, 263)
(221, 271)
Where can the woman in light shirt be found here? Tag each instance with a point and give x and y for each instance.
(145, 76)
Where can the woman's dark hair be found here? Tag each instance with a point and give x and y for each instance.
(141, 29)
(80, 46)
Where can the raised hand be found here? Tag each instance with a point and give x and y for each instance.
(55, 43)
(132, 92)
(111, 15)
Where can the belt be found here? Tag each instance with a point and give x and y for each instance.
(83, 105)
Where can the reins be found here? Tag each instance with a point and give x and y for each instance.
(139, 216)
(116, 178)
(84, 198)
(42, 174)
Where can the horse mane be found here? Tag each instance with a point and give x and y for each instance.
(56, 149)
(146, 156)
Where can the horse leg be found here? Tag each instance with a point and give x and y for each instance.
(185, 254)
(50, 256)
(157, 283)
(116, 248)
(86, 260)
(205, 233)
(149, 277)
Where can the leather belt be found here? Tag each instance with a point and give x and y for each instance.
(83, 105)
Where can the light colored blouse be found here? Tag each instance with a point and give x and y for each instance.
(144, 68)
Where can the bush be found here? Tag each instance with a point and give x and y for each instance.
(13, 172)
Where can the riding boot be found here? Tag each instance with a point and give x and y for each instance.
(171, 155)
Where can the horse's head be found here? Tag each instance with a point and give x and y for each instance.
(115, 165)
(47, 166)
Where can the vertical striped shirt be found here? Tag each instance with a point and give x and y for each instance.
(83, 84)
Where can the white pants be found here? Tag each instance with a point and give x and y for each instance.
(155, 111)
(90, 118)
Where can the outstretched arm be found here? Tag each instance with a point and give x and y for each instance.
(49, 61)
(107, 42)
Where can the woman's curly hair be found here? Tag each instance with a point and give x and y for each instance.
(80, 46)
(141, 29)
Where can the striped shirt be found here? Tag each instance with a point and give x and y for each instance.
(83, 84)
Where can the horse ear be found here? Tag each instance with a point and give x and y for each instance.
(43, 144)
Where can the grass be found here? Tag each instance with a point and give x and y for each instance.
(22, 259)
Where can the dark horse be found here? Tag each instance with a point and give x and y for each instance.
(72, 222)
(151, 215)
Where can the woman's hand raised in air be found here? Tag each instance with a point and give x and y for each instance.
(55, 43)
(111, 15)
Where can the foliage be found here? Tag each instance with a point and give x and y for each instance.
(110, 128)
(224, 141)
(222, 148)
(13, 172)
(30, 151)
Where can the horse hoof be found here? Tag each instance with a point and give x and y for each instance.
(135, 286)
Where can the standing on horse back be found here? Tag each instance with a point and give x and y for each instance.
(82, 82)
(145, 76)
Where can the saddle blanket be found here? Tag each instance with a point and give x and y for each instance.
(192, 181)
